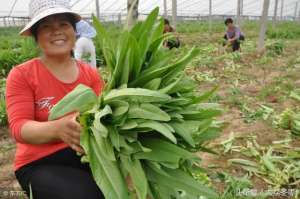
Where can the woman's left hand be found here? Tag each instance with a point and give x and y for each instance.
(68, 130)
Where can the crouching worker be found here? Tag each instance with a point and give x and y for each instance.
(233, 35)
(46, 155)
(84, 47)
(172, 42)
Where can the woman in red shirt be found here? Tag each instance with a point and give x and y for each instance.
(46, 150)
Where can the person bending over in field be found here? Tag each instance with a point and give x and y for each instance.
(172, 42)
(84, 47)
(233, 35)
(46, 158)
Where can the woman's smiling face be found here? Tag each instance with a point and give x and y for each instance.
(56, 35)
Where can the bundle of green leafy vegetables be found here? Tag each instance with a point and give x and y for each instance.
(149, 120)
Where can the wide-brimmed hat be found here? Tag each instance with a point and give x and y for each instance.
(84, 29)
(39, 9)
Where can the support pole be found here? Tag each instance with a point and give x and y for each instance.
(132, 15)
(97, 9)
(119, 19)
(242, 8)
(296, 9)
(174, 13)
(275, 13)
(210, 15)
(4, 21)
(299, 16)
(263, 27)
(238, 14)
(165, 9)
(281, 10)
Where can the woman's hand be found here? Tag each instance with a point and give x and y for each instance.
(68, 130)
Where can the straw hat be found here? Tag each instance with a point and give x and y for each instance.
(39, 9)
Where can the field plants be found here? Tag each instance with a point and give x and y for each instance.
(204, 58)
(237, 187)
(114, 30)
(289, 120)
(249, 115)
(278, 167)
(8, 31)
(3, 115)
(275, 47)
(295, 94)
(202, 26)
(148, 121)
(276, 164)
(288, 30)
(14, 53)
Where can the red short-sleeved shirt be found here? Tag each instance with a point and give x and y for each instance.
(31, 91)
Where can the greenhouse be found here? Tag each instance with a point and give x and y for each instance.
(140, 99)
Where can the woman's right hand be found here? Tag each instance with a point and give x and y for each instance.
(68, 130)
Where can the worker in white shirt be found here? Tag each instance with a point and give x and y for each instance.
(84, 47)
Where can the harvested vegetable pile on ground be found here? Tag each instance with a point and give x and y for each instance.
(289, 120)
(149, 120)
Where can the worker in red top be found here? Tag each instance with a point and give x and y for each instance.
(46, 156)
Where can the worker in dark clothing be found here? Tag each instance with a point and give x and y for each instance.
(233, 35)
(172, 42)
